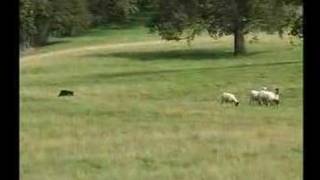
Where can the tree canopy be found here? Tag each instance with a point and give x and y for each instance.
(179, 19)
(40, 18)
(106, 11)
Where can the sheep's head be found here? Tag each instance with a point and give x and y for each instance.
(237, 103)
(277, 90)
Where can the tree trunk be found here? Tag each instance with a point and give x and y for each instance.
(239, 43)
(41, 38)
(280, 33)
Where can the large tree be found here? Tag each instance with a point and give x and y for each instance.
(34, 20)
(27, 23)
(296, 22)
(180, 19)
(40, 18)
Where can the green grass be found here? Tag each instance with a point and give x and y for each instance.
(151, 112)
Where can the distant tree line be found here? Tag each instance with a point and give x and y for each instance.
(40, 19)
(172, 19)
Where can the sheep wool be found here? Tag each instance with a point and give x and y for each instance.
(254, 96)
(268, 97)
(229, 98)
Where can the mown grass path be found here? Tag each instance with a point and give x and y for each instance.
(90, 48)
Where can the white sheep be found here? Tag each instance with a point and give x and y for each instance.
(269, 97)
(229, 98)
(254, 95)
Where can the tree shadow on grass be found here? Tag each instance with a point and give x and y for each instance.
(94, 78)
(184, 54)
(186, 70)
(55, 42)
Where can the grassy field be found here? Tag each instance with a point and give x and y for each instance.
(97, 36)
(152, 111)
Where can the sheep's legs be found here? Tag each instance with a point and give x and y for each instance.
(250, 101)
(221, 101)
(266, 103)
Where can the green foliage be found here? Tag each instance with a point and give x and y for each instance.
(34, 17)
(43, 18)
(296, 28)
(27, 23)
(107, 11)
(40, 18)
(172, 19)
(70, 17)
(178, 19)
